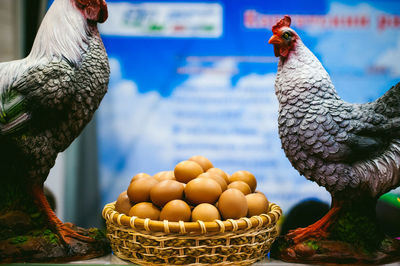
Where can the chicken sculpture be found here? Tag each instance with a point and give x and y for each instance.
(353, 150)
(46, 99)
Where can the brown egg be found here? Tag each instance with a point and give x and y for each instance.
(165, 191)
(175, 211)
(242, 186)
(205, 212)
(123, 204)
(164, 175)
(139, 190)
(257, 191)
(187, 170)
(219, 172)
(244, 176)
(140, 175)
(232, 204)
(202, 190)
(145, 210)
(257, 204)
(202, 161)
(220, 180)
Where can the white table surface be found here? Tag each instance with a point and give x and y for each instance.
(114, 260)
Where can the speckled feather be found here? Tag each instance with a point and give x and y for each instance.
(60, 99)
(338, 145)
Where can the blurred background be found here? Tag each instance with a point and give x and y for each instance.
(196, 77)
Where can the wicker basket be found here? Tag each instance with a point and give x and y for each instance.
(231, 242)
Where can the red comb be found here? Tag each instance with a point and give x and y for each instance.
(284, 22)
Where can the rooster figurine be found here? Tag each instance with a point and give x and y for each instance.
(46, 99)
(353, 150)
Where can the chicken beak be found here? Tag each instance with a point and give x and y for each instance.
(274, 40)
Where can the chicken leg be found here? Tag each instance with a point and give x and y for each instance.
(319, 229)
(64, 231)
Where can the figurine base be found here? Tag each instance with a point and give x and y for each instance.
(329, 252)
(42, 245)
(28, 234)
(348, 234)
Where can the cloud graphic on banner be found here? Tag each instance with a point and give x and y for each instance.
(218, 76)
(123, 115)
(390, 60)
(357, 47)
(358, 58)
(125, 106)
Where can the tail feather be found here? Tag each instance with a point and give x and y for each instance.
(389, 104)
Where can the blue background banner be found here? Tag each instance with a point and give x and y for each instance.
(190, 77)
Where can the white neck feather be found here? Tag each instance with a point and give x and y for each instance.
(63, 33)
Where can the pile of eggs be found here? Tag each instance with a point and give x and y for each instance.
(194, 191)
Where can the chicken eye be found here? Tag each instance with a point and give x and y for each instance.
(286, 36)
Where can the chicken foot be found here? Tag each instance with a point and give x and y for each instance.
(64, 230)
(319, 229)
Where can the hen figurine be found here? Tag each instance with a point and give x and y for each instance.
(353, 150)
(46, 99)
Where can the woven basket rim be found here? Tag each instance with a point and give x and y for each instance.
(270, 218)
